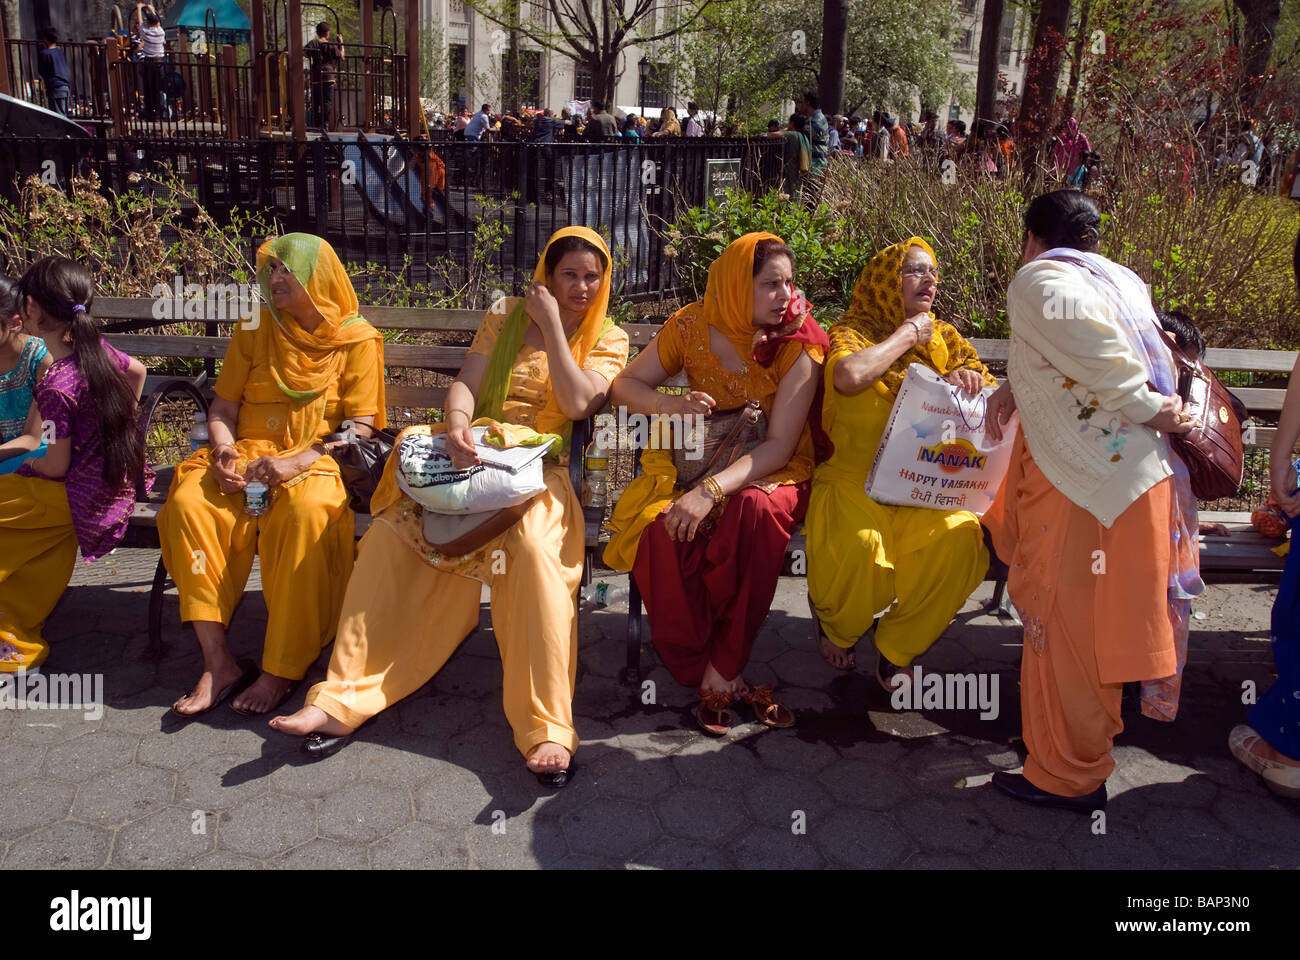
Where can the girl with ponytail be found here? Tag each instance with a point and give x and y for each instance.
(80, 493)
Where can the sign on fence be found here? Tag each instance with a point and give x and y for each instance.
(719, 176)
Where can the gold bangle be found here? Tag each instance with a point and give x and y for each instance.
(715, 489)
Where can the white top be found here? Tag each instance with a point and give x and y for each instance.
(153, 40)
(1081, 390)
(477, 125)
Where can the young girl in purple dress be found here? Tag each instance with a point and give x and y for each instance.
(80, 493)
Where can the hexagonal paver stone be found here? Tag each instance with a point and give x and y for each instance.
(1017, 853)
(802, 668)
(322, 854)
(61, 846)
(402, 759)
(301, 777)
(944, 826)
(190, 744)
(364, 811)
(609, 828)
(1193, 835)
(1117, 849)
(775, 798)
(267, 826)
(19, 761)
(863, 783)
(453, 798)
(697, 813)
(420, 846)
(784, 750)
(1011, 816)
(514, 842)
(674, 853)
(222, 860)
(1262, 817)
(486, 747)
(475, 678)
(172, 837)
(854, 839)
(31, 804)
(623, 775)
(125, 794)
(938, 861)
(50, 726)
(768, 848)
(439, 716)
(80, 759)
(221, 782)
(715, 763)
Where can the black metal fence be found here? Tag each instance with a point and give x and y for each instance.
(446, 216)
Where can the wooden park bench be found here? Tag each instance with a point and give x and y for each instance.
(170, 401)
(1242, 556)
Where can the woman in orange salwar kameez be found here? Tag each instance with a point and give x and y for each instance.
(707, 592)
(1089, 519)
(533, 368)
(291, 376)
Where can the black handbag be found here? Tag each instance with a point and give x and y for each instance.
(361, 462)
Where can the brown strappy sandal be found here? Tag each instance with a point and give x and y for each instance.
(766, 710)
(819, 635)
(713, 714)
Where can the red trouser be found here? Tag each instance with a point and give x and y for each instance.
(706, 598)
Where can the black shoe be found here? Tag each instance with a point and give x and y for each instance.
(1015, 785)
(557, 779)
(318, 746)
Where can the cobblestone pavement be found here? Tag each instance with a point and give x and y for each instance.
(436, 782)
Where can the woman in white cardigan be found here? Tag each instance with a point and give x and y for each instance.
(1090, 520)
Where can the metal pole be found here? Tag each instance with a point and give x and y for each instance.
(413, 108)
(296, 88)
(367, 83)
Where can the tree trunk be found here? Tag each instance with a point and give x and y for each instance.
(1259, 29)
(835, 54)
(604, 79)
(1076, 62)
(986, 87)
(1042, 76)
(512, 95)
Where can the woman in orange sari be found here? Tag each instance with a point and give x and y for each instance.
(304, 365)
(532, 369)
(708, 587)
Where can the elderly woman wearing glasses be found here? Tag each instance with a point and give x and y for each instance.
(915, 566)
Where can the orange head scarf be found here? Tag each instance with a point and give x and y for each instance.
(305, 364)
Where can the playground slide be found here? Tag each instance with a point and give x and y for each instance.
(18, 118)
(392, 191)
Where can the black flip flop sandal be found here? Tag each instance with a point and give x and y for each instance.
(246, 679)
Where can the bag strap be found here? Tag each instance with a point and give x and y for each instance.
(733, 436)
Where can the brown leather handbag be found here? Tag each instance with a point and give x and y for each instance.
(1213, 450)
(729, 436)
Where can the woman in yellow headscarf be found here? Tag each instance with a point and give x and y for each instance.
(864, 556)
(708, 589)
(292, 374)
(538, 363)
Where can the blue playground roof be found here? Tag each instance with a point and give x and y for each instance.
(191, 13)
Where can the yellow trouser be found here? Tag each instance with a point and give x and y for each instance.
(305, 542)
(403, 618)
(856, 571)
(38, 549)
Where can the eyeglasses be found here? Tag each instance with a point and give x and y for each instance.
(920, 272)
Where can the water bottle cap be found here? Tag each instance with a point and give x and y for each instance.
(200, 415)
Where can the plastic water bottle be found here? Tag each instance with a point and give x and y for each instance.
(199, 432)
(597, 464)
(257, 498)
(604, 594)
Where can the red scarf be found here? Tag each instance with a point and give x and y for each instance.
(798, 325)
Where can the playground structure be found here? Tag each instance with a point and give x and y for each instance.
(233, 77)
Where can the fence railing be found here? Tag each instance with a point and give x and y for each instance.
(447, 217)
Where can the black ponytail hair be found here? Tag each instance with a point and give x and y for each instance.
(1065, 218)
(65, 292)
(1184, 330)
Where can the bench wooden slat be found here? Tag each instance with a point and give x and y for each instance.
(406, 395)
(415, 355)
(109, 309)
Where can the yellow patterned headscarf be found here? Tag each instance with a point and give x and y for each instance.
(876, 311)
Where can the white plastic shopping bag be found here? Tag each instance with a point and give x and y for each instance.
(505, 478)
(934, 452)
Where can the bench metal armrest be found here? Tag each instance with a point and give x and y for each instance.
(149, 405)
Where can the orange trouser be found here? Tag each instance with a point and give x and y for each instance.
(38, 549)
(306, 546)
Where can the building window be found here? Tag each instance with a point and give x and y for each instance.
(581, 81)
(954, 112)
(1006, 39)
(537, 11)
(530, 80)
(653, 89)
(456, 54)
(456, 11)
(963, 42)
